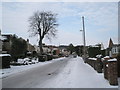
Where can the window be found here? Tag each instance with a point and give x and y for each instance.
(115, 50)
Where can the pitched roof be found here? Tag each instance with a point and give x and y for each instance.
(110, 43)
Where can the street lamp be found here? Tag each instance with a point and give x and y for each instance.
(84, 41)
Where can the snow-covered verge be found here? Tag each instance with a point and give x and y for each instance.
(16, 69)
(77, 74)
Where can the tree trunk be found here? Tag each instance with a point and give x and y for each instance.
(40, 46)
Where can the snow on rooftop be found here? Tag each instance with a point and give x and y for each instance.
(112, 60)
(94, 46)
(1, 55)
(93, 58)
(2, 38)
(98, 56)
(106, 57)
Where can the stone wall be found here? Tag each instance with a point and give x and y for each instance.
(96, 64)
(108, 67)
(112, 73)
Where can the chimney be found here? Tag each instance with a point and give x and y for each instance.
(28, 40)
(110, 43)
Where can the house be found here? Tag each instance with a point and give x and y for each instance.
(6, 43)
(63, 50)
(50, 49)
(94, 50)
(55, 50)
(114, 49)
(47, 49)
(30, 48)
(37, 49)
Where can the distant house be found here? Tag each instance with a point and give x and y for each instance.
(114, 49)
(50, 49)
(63, 50)
(30, 48)
(6, 40)
(55, 51)
(37, 49)
(47, 49)
(94, 50)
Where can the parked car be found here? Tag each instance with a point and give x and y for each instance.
(35, 60)
(66, 55)
(21, 62)
(24, 61)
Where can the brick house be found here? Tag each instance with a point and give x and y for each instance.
(114, 49)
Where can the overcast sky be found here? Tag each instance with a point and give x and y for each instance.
(101, 21)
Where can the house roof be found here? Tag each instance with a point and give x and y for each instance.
(2, 55)
(110, 43)
(3, 38)
(116, 45)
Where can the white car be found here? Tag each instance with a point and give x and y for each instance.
(35, 60)
(28, 60)
(20, 61)
(24, 61)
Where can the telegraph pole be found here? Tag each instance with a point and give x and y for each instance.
(84, 41)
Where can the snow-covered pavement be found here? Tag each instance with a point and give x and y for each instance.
(77, 74)
(58, 73)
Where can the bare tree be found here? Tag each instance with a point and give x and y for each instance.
(43, 24)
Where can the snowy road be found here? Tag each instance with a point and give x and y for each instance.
(34, 76)
(64, 73)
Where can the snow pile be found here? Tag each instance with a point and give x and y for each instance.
(77, 74)
(106, 57)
